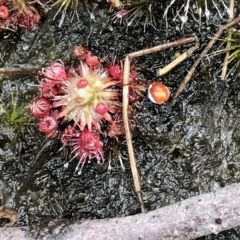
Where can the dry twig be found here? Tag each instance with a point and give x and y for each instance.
(204, 52)
(178, 60)
(136, 180)
(176, 43)
(225, 63)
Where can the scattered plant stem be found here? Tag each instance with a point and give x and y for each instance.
(226, 60)
(178, 60)
(204, 52)
(176, 43)
(9, 72)
(125, 93)
(225, 63)
(231, 9)
(125, 96)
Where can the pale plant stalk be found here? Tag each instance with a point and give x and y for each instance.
(204, 52)
(225, 63)
(125, 94)
(64, 5)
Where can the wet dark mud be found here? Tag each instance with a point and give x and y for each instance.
(183, 150)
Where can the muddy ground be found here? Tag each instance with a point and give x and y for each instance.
(183, 150)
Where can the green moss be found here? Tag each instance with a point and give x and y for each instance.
(14, 116)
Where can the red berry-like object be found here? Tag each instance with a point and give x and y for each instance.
(91, 60)
(4, 13)
(101, 108)
(158, 93)
(82, 83)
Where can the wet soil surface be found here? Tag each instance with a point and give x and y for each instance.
(183, 150)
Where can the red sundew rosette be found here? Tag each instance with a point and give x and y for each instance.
(54, 73)
(92, 60)
(39, 107)
(48, 124)
(86, 147)
(115, 70)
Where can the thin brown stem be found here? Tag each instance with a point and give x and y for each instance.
(178, 60)
(9, 72)
(204, 52)
(225, 63)
(176, 43)
(125, 102)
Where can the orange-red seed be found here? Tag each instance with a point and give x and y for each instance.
(158, 93)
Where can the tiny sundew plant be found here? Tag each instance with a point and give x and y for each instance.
(75, 103)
